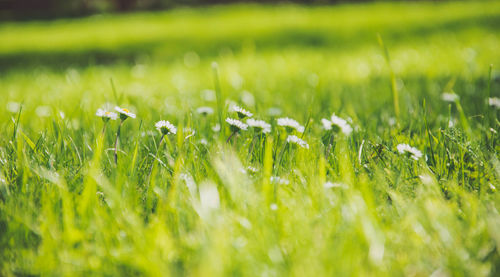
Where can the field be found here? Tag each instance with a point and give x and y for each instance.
(343, 196)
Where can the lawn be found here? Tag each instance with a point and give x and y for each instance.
(403, 179)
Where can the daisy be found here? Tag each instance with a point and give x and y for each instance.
(204, 141)
(329, 185)
(340, 124)
(494, 102)
(242, 113)
(327, 124)
(337, 124)
(165, 127)
(252, 169)
(407, 149)
(216, 127)
(188, 132)
(105, 115)
(391, 121)
(124, 113)
(42, 111)
(13, 107)
(259, 125)
(449, 97)
(236, 125)
(290, 124)
(298, 141)
(274, 111)
(205, 111)
(279, 180)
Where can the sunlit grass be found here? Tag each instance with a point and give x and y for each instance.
(372, 194)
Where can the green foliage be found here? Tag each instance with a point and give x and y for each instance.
(257, 205)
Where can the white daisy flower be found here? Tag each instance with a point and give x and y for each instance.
(13, 107)
(105, 115)
(407, 149)
(236, 125)
(274, 111)
(329, 185)
(391, 121)
(208, 95)
(492, 187)
(216, 127)
(204, 141)
(342, 124)
(449, 97)
(494, 102)
(252, 169)
(337, 124)
(298, 141)
(327, 124)
(290, 124)
(188, 132)
(165, 127)
(205, 111)
(242, 113)
(279, 180)
(42, 111)
(259, 125)
(124, 113)
(247, 98)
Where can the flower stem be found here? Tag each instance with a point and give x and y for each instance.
(104, 128)
(116, 141)
(230, 136)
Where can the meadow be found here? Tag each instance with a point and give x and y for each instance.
(390, 165)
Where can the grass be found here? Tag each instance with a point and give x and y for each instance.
(257, 205)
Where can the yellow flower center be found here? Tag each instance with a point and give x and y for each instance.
(107, 113)
(125, 110)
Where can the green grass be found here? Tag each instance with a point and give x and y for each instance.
(194, 206)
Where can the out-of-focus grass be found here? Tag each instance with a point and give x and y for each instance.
(206, 31)
(211, 208)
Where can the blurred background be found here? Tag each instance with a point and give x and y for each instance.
(52, 50)
(46, 9)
